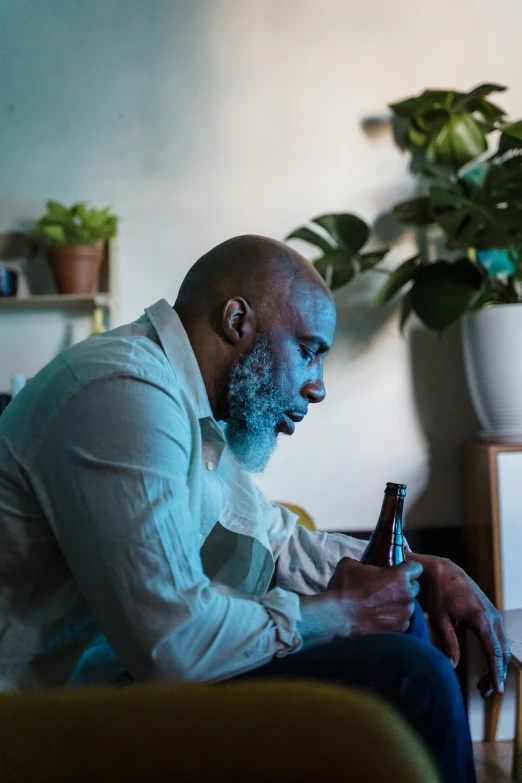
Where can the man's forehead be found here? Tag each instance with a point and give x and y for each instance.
(314, 317)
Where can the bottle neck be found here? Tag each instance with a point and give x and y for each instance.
(390, 519)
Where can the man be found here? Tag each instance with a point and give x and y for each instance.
(133, 539)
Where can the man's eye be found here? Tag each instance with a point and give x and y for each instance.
(306, 353)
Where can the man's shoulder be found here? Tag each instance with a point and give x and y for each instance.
(128, 352)
(123, 354)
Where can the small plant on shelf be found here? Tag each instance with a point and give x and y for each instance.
(74, 240)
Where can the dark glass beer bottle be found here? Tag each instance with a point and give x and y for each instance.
(386, 546)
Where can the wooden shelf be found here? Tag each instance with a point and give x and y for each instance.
(55, 301)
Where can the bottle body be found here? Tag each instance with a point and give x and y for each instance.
(386, 545)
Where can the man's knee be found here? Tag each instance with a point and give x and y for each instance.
(398, 663)
(422, 672)
(395, 666)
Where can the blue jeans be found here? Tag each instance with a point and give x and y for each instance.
(404, 670)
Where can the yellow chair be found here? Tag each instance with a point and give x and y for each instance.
(269, 732)
(304, 518)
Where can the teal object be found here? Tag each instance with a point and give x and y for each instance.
(475, 173)
(497, 263)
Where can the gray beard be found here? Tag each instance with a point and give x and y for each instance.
(255, 407)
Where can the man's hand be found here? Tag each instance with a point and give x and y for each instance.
(375, 599)
(453, 598)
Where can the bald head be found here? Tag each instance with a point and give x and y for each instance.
(260, 320)
(261, 270)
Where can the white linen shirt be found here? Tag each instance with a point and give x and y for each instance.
(130, 539)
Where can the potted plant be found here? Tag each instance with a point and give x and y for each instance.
(74, 238)
(470, 186)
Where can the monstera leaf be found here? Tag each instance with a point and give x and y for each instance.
(442, 292)
(397, 280)
(340, 237)
(415, 212)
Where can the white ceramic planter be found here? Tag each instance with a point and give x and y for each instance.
(492, 341)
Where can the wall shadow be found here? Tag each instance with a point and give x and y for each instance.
(358, 322)
(442, 400)
(447, 419)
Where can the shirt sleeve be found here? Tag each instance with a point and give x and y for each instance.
(308, 559)
(113, 477)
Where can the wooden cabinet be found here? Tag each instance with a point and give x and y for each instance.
(493, 478)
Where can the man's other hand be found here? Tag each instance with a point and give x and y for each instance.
(375, 599)
(454, 599)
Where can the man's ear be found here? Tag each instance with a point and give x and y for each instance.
(238, 321)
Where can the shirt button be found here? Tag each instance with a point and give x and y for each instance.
(210, 465)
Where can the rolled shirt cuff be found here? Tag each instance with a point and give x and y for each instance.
(285, 610)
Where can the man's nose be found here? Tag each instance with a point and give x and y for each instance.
(314, 391)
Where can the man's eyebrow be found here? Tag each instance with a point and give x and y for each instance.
(324, 347)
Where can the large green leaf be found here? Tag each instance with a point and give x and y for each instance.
(416, 137)
(469, 140)
(442, 292)
(438, 171)
(371, 258)
(514, 130)
(428, 100)
(504, 184)
(468, 101)
(446, 126)
(341, 266)
(414, 212)
(307, 235)
(508, 144)
(491, 114)
(458, 141)
(346, 230)
(473, 218)
(398, 278)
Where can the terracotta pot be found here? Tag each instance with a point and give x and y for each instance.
(75, 267)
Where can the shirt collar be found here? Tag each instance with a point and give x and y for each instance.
(178, 350)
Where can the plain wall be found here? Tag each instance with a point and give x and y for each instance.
(200, 120)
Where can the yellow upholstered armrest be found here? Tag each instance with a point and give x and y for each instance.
(275, 732)
(304, 518)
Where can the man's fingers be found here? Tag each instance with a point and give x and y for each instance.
(494, 654)
(504, 642)
(485, 686)
(448, 640)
